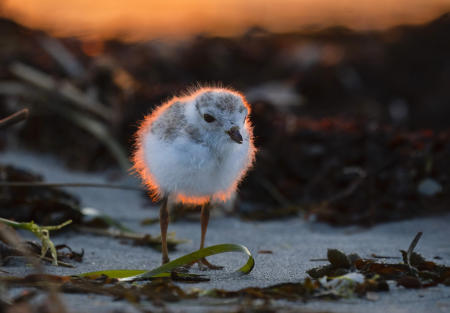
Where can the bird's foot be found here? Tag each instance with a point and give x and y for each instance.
(203, 262)
(165, 260)
(204, 265)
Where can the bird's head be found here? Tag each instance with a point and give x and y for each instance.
(222, 113)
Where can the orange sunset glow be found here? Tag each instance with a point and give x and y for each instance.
(141, 19)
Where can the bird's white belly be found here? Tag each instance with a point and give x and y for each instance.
(182, 167)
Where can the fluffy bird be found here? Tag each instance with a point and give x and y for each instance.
(195, 149)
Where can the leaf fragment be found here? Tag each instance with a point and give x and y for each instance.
(166, 269)
(338, 258)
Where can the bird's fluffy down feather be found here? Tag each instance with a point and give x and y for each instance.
(179, 153)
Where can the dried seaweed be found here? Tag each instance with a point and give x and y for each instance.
(8, 252)
(414, 272)
(47, 206)
(347, 171)
(345, 276)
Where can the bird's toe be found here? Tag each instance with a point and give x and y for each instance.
(205, 263)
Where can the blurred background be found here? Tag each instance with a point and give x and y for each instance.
(351, 99)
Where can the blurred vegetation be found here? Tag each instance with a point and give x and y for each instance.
(352, 127)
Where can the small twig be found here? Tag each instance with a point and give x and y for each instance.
(89, 185)
(14, 118)
(14, 252)
(64, 264)
(146, 238)
(49, 260)
(411, 248)
(384, 257)
(318, 260)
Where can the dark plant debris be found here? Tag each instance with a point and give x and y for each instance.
(8, 253)
(166, 290)
(414, 272)
(345, 276)
(345, 171)
(45, 206)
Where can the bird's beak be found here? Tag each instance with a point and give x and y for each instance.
(234, 134)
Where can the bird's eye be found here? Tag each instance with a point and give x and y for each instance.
(209, 118)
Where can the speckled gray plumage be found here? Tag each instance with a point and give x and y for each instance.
(170, 125)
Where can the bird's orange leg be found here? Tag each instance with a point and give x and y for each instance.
(164, 224)
(204, 221)
(203, 263)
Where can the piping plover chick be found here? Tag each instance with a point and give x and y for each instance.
(195, 149)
